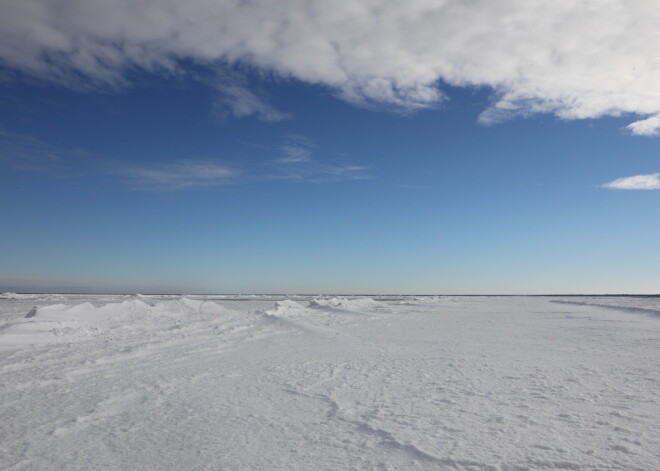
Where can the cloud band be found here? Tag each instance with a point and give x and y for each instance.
(573, 59)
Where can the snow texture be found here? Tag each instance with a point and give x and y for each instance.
(300, 383)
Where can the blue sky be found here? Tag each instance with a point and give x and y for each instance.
(239, 170)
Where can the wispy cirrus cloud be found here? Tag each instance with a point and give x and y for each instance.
(637, 182)
(318, 172)
(176, 176)
(580, 59)
(295, 154)
(186, 174)
(297, 149)
(236, 99)
(298, 164)
(25, 152)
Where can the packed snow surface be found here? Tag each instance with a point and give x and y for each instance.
(314, 383)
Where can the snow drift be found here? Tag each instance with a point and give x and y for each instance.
(69, 323)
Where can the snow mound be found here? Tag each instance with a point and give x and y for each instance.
(346, 304)
(69, 323)
(290, 315)
(286, 308)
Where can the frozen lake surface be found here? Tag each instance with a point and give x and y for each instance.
(303, 383)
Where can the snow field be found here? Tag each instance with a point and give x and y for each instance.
(477, 384)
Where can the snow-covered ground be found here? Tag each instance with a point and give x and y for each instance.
(259, 383)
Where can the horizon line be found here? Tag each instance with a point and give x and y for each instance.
(648, 295)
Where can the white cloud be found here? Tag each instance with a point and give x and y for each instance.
(646, 127)
(637, 182)
(576, 59)
(176, 176)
